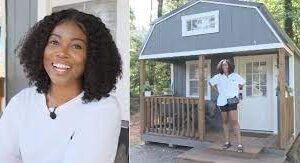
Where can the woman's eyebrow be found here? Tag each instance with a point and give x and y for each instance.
(79, 40)
(57, 35)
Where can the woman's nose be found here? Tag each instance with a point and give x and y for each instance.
(63, 53)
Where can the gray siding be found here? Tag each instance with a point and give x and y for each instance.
(239, 26)
(179, 78)
(21, 15)
(297, 93)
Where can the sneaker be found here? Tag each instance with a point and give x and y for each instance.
(226, 145)
(240, 148)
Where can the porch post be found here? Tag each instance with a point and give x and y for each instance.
(142, 99)
(281, 82)
(201, 103)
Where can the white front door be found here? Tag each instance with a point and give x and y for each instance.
(256, 111)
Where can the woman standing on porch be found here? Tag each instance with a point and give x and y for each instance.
(227, 84)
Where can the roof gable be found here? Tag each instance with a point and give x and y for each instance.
(241, 24)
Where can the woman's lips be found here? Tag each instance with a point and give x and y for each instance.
(61, 68)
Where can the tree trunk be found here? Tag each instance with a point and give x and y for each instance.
(288, 21)
(160, 7)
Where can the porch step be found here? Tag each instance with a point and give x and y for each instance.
(249, 152)
(216, 155)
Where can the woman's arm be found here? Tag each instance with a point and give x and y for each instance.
(213, 82)
(97, 140)
(214, 87)
(9, 144)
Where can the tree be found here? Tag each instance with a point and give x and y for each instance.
(135, 44)
(288, 15)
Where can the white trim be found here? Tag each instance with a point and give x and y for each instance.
(214, 51)
(146, 42)
(221, 3)
(185, 18)
(172, 77)
(275, 83)
(288, 50)
(292, 85)
(56, 3)
(269, 25)
(187, 79)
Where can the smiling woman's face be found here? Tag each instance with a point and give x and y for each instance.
(65, 54)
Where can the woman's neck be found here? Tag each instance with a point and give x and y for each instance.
(58, 94)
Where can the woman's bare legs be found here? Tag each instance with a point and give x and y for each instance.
(225, 123)
(236, 126)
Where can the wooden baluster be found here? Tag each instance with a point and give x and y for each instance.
(168, 117)
(183, 119)
(178, 116)
(193, 118)
(151, 114)
(155, 114)
(164, 116)
(160, 115)
(173, 116)
(188, 117)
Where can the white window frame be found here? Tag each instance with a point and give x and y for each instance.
(188, 64)
(200, 31)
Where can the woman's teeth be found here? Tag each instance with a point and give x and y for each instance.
(62, 66)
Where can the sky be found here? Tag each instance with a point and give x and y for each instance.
(142, 12)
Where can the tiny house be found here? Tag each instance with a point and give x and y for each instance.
(193, 39)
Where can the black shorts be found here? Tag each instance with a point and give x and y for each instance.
(227, 108)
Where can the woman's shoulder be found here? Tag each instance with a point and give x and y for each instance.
(26, 94)
(107, 109)
(234, 74)
(108, 104)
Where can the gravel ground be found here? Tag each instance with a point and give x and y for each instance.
(155, 153)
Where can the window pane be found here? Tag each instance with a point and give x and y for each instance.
(257, 91)
(256, 79)
(249, 68)
(263, 90)
(249, 79)
(189, 25)
(193, 71)
(248, 90)
(263, 67)
(193, 88)
(263, 79)
(255, 67)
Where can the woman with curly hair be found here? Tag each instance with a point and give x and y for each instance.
(228, 83)
(69, 114)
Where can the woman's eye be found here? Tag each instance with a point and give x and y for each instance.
(77, 46)
(53, 42)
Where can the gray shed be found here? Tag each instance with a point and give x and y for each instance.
(194, 38)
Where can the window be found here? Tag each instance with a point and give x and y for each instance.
(192, 79)
(202, 23)
(256, 79)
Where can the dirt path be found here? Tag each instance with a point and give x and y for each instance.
(135, 136)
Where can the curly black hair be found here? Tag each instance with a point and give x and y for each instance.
(103, 65)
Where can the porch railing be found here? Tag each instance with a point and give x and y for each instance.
(171, 116)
